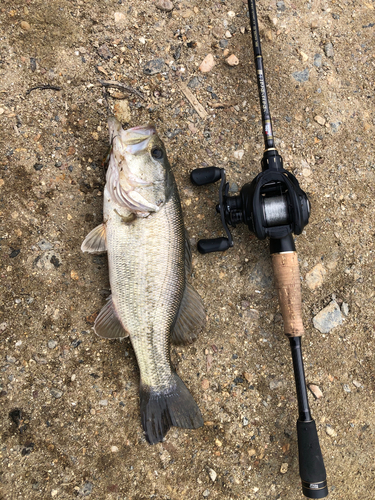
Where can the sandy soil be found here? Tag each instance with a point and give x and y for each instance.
(69, 417)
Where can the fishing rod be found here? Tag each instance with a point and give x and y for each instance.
(273, 205)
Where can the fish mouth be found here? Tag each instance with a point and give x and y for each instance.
(135, 140)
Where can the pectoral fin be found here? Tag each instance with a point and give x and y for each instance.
(108, 324)
(190, 317)
(95, 241)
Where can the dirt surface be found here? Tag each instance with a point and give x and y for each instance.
(70, 424)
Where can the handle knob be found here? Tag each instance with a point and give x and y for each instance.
(202, 176)
(214, 245)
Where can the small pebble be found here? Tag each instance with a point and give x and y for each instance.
(280, 6)
(304, 56)
(114, 449)
(357, 384)
(345, 308)
(164, 5)
(44, 245)
(328, 318)
(301, 76)
(207, 64)
(103, 402)
(223, 44)
(328, 49)
(205, 384)
(212, 475)
(86, 489)
(47, 261)
(122, 111)
(119, 17)
(38, 166)
(314, 278)
(346, 388)
(10, 359)
(318, 60)
(239, 154)
(104, 52)
(154, 66)
(316, 391)
(25, 25)
(51, 344)
(284, 468)
(232, 60)
(331, 432)
(234, 188)
(228, 34)
(276, 384)
(56, 393)
(320, 120)
(194, 83)
(206, 493)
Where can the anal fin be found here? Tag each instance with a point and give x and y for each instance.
(108, 324)
(95, 241)
(190, 317)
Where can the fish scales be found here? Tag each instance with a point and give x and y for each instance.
(149, 258)
(149, 262)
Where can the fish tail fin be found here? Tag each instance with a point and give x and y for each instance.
(173, 406)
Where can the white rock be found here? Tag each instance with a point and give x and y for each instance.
(119, 17)
(239, 154)
(331, 432)
(114, 449)
(212, 475)
(345, 308)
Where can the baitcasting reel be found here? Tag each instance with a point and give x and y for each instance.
(272, 205)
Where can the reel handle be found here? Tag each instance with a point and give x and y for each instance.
(213, 245)
(207, 175)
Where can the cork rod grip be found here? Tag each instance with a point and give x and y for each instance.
(288, 284)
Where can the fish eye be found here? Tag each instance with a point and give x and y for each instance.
(157, 153)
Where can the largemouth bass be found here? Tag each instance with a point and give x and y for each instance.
(149, 261)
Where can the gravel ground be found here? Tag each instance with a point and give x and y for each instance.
(69, 417)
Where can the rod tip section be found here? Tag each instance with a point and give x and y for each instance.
(311, 465)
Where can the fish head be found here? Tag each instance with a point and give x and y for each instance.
(139, 175)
